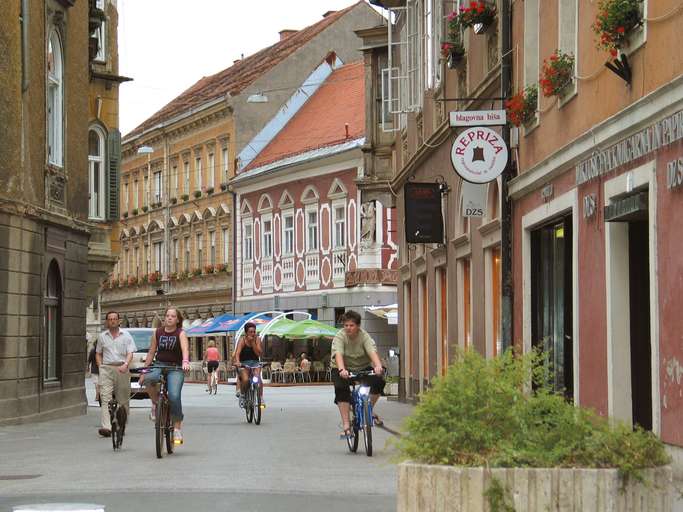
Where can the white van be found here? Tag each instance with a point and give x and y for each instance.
(142, 336)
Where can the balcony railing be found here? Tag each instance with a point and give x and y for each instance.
(288, 274)
(247, 278)
(312, 270)
(267, 275)
(339, 260)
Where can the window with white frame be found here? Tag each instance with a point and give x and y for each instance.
(101, 36)
(136, 255)
(226, 245)
(174, 256)
(198, 172)
(288, 234)
(212, 243)
(212, 171)
(96, 174)
(224, 162)
(148, 258)
(531, 41)
(174, 173)
(158, 255)
(136, 194)
(125, 197)
(55, 100)
(429, 41)
(248, 240)
(312, 229)
(145, 192)
(339, 215)
(187, 254)
(186, 171)
(413, 68)
(267, 237)
(158, 187)
(200, 250)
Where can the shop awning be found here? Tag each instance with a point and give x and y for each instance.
(388, 312)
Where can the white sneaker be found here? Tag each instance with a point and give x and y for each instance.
(177, 437)
(153, 413)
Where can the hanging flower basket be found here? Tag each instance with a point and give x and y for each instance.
(453, 53)
(521, 108)
(197, 194)
(557, 73)
(478, 15)
(185, 197)
(615, 20)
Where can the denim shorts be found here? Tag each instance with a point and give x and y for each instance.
(251, 364)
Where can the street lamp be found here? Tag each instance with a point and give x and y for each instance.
(257, 98)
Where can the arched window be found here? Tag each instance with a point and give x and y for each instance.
(55, 100)
(53, 324)
(96, 173)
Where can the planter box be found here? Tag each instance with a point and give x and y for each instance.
(428, 488)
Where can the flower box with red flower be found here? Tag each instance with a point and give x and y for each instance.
(221, 267)
(557, 74)
(154, 277)
(208, 269)
(453, 52)
(132, 281)
(521, 108)
(478, 15)
(616, 19)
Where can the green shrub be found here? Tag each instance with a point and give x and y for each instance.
(483, 413)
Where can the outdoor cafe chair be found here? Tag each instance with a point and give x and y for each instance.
(305, 371)
(289, 371)
(319, 369)
(276, 371)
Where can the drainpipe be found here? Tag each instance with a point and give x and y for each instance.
(508, 174)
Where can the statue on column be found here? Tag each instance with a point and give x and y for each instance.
(368, 224)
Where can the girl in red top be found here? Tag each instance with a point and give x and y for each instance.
(212, 357)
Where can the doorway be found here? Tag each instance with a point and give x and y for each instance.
(552, 301)
(639, 318)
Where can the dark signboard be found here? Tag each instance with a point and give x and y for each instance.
(626, 209)
(423, 215)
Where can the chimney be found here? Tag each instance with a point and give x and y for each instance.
(328, 13)
(285, 33)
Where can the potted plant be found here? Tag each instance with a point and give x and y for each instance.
(521, 108)
(615, 20)
(113, 283)
(221, 267)
(132, 280)
(173, 276)
(154, 277)
(145, 209)
(486, 431)
(174, 200)
(135, 211)
(557, 73)
(185, 197)
(479, 15)
(209, 269)
(144, 279)
(197, 194)
(125, 215)
(209, 190)
(224, 187)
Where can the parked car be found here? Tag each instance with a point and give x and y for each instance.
(143, 338)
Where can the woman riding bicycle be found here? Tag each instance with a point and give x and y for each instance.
(247, 354)
(353, 350)
(169, 348)
(212, 358)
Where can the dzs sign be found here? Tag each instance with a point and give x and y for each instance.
(479, 155)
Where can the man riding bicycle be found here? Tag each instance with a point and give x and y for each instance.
(247, 358)
(353, 350)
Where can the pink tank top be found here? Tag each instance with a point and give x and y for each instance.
(212, 354)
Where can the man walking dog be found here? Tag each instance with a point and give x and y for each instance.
(115, 349)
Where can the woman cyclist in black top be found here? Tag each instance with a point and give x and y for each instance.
(247, 355)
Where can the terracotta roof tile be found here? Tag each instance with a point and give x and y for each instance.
(235, 78)
(321, 120)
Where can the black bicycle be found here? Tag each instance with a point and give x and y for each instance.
(163, 426)
(251, 400)
(118, 418)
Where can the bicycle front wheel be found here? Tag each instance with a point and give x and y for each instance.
(114, 430)
(367, 427)
(352, 441)
(249, 405)
(257, 405)
(159, 424)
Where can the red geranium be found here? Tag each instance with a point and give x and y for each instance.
(521, 108)
(615, 19)
(557, 72)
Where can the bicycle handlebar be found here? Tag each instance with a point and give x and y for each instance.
(361, 374)
(147, 369)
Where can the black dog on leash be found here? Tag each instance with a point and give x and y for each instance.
(119, 417)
